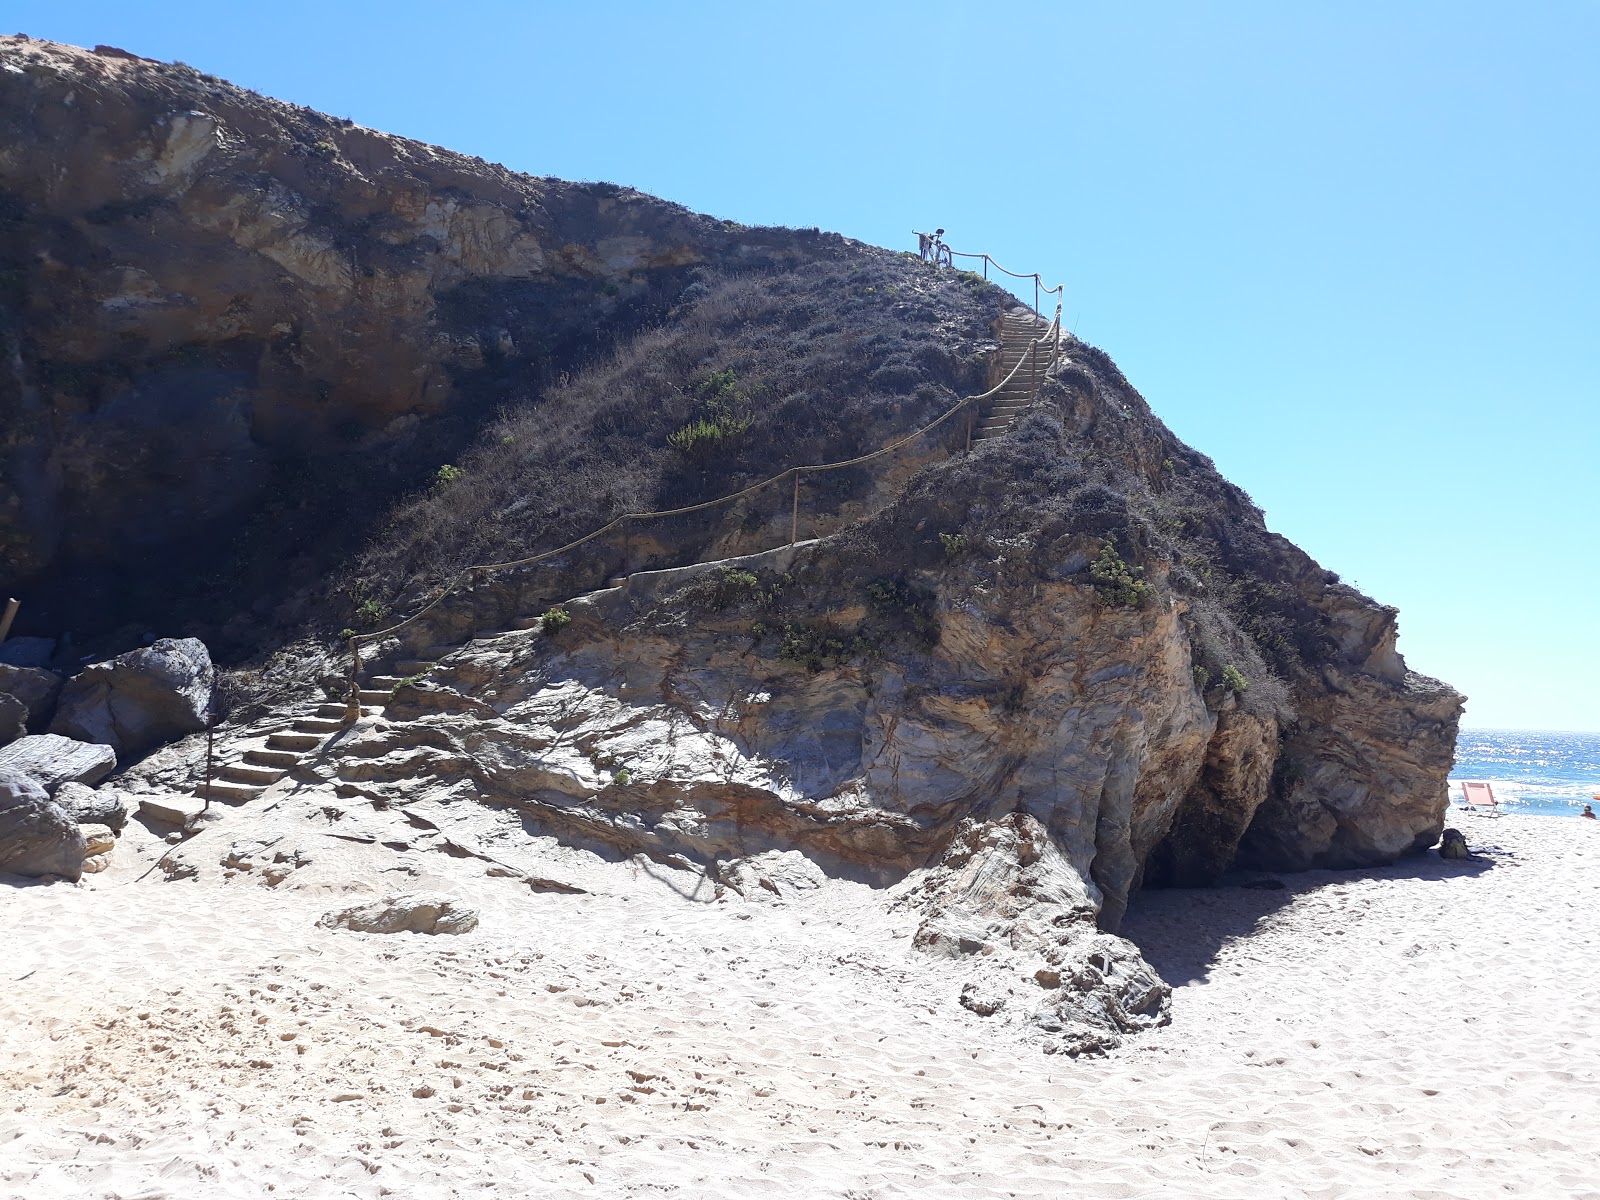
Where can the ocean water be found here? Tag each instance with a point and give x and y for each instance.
(1531, 770)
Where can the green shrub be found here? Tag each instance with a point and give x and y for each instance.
(819, 648)
(724, 416)
(1201, 677)
(955, 545)
(1233, 679)
(447, 475)
(371, 612)
(1117, 582)
(621, 777)
(734, 586)
(555, 620)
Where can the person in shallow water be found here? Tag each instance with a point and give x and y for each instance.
(1588, 814)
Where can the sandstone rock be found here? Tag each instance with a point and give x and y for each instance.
(13, 718)
(97, 839)
(415, 912)
(37, 837)
(138, 700)
(53, 760)
(95, 863)
(90, 807)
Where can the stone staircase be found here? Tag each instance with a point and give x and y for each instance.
(1017, 330)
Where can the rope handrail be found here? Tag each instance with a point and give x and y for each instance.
(1051, 335)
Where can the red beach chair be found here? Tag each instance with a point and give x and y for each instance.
(1480, 799)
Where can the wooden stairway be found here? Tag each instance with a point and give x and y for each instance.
(1017, 330)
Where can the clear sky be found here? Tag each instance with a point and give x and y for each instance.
(1351, 251)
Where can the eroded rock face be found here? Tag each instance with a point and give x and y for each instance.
(138, 700)
(216, 304)
(37, 836)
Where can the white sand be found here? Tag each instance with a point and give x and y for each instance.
(1429, 1030)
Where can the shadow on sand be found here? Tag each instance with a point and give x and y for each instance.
(1181, 930)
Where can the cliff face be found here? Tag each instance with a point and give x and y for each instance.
(1006, 686)
(225, 318)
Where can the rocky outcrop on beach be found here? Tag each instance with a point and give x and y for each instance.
(217, 308)
(1004, 683)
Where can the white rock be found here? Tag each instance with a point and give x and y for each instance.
(403, 912)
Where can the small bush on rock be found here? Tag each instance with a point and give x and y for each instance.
(1117, 582)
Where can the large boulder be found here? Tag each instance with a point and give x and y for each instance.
(37, 836)
(52, 760)
(89, 807)
(35, 689)
(136, 701)
(405, 912)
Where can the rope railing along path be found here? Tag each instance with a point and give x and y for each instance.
(1039, 290)
(1028, 363)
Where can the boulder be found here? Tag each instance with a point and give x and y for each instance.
(52, 760)
(37, 689)
(27, 651)
(403, 912)
(37, 836)
(89, 807)
(97, 839)
(138, 700)
(13, 718)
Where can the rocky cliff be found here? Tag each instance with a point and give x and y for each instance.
(233, 329)
(1005, 686)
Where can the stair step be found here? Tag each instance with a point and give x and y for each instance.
(241, 773)
(527, 622)
(218, 790)
(378, 696)
(294, 741)
(483, 635)
(273, 758)
(414, 666)
(318, 725)
(383, 683)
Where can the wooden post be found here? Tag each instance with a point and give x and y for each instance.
(986, 266)
(969, 431)
(794, 513)
(352, 708)
(11, 615)
(211, 729)
(1036, 294)
(1033, 365)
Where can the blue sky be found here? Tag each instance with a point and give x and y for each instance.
(1350, 251)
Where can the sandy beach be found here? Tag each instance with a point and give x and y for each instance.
(1425, 1030)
